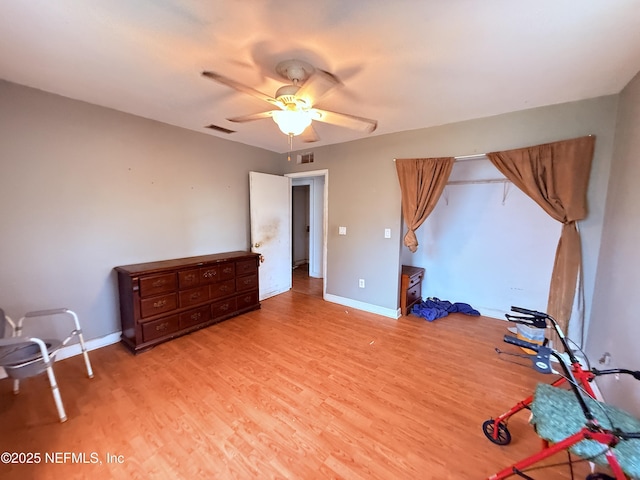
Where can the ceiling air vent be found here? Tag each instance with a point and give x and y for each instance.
(220, 129)
(305, 157)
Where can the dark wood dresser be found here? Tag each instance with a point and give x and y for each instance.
(410, 288)
(163, 300)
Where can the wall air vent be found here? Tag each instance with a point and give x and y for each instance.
(305, 158)
(220, 129)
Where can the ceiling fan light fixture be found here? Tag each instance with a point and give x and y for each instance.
(292, 122)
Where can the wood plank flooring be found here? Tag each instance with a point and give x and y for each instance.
(301, 389)
(303, 283)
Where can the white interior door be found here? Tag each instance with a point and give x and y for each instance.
(270, 209)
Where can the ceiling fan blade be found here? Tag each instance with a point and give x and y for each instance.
(309, 135)
(345, 120)
(317, 86)
(242, 88)
(250, 118)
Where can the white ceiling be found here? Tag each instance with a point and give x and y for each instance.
(407, 63)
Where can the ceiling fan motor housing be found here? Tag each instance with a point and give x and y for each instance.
(287, 95)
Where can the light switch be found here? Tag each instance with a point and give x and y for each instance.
(342, 230)
(387, 233)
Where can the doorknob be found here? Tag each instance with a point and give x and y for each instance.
(261, 258)
(257, 245)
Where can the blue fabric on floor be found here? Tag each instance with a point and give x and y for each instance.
(433, 308)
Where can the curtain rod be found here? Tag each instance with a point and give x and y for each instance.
(465, 158)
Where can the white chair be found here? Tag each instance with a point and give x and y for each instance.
(23, 357)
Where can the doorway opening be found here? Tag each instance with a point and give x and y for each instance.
(309, 207)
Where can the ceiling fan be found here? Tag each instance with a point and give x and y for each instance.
(295, 101)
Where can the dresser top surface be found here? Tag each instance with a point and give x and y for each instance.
(410, 271)
(185, 262)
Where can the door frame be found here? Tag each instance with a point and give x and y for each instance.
(313, 208)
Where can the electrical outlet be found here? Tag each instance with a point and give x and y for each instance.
(361, 283)
(387, 233)
(342, 230)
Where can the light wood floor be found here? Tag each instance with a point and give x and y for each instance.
(301, 389)
(303, 283)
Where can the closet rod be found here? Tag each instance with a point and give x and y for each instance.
(465, 158)
(476, 156)
(488, 180)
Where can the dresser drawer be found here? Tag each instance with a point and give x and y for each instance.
(222, 289)
(160, 328)
(189, 278)
(414, 279)
(413, 295)
(246, 283)
(227, 270)
(209, 274)
(156, 284)
(193, 296)
(249, 299)
(246, 267)
(222, 308)
(156, 305)
(194, 317)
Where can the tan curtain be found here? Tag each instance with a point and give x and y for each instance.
(422, 181)
(556, 176)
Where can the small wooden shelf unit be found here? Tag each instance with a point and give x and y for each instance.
(166, 299)
(410, 288)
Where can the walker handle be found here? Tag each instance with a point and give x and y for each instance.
(535, 322)
(526, 311)
(635, 374)
(521, 343)
(540, 359)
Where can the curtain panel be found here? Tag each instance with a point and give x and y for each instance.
(422, 181)
(556, 177)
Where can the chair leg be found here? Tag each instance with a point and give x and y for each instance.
(85, 354)
(78, 331)
(16, 386)
(56, 394)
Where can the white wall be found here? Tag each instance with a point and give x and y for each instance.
(615, 325)
(84, 189)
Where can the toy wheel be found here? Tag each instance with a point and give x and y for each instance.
(599, 476)
(504, 437)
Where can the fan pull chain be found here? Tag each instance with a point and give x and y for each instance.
(290, 147)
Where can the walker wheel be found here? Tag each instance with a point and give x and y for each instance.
(504, 437)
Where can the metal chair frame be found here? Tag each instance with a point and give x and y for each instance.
(41, 358)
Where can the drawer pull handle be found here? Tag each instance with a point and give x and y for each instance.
(159, 304)
(247, 299)
(228, 270)
(159, 283)
(209, 274)
(224, 307)
(224, 288)
(191, 277)
(162, 327)
(247, 282)
(196, 316)
(194, 296)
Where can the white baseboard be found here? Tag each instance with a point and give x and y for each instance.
(367, 307)
(74, 349)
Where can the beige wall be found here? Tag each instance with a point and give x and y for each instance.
(615, 325)
(84, 189)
